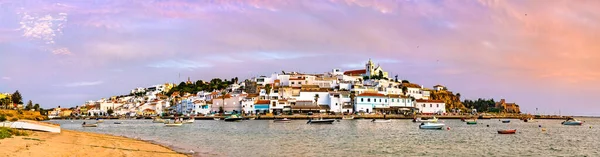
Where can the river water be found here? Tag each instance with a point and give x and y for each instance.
(361, 138)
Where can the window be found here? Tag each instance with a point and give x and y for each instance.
(385, 100)
(336, 104)
(438, 105)
(362, 100)
(423, 105)
(292, 82)
(299, 82)
(392, 100)
(274, 104)
(430, 105)
(250, 106)
(368, 99)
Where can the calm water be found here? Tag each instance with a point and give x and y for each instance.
(362, 138)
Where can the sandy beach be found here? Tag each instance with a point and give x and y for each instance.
(72, 143)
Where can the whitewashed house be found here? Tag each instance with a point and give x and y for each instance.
(431, 106)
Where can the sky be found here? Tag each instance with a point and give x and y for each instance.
(537, 54)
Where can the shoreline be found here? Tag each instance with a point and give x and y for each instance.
(370, 116)
(79, 143)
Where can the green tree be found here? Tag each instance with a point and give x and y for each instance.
(405, 81)
(29, 105)
(110, 111)
(380, 74)
(16, 98)
(404, 90)
(268, 90)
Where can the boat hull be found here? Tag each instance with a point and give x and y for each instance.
(348, 118)
(506, 121)
(382, 121)
(90, 125)
(174, 125)
(233, 119)
(471, 123)
(327, 121)
(37, 126)
(572, 123)
(507, 131)
(432, 126)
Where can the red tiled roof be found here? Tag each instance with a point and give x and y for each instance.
(430, 101)
(411, 85)
(251, 95)
(372, 94)
(227, 96)
(262, 102)
(438, 86)
(355, 72)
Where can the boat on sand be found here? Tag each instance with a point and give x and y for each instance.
(510, 131)
(33, 125)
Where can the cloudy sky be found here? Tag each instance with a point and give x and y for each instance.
(539, 55)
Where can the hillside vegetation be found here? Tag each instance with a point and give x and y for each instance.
(452, 101)
(14, 115)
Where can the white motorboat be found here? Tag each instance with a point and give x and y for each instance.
(321, 121)
(431, 126)
(89, 125)
(419, 120)
(217, 118)
(381, 120)
(189, 121)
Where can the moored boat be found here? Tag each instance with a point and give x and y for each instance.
(320, 121)
(173, 124)
(505, 121)
(572, 121)
(381, 121)
(158, 120)
(99, 121)
(419, 120)
(216, 118)
(348, 118)
(233, 118)
(118, 123)
(189, 121)
(529, 120)
(284, 120)
(434, 126)
(509, 131)
(89, 125)
(471, 122)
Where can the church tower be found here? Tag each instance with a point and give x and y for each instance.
(369, 67)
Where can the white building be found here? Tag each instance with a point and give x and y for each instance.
(368, 102)
(431, 106)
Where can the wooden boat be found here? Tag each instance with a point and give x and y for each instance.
(118, 122)
(320, 121)
(381, 121)
(173, 124)
(505, 121)
(189, 121)
(471, 122)
(89, 125)
(419, 120)
(512, 131)
(33, 125)
(434, 126)
(99, 121)
(348, 118)
(572, 121)
(284, 120)
(233, 118)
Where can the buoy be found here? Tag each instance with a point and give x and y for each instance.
(488, 126)
(448, 128)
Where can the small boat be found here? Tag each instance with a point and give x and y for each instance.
(505, 121)
(100, 121)
(118, 122)
(348, 118)
(158, 120)
(431, 126)
(284, 120)
(320, 121)
(217, 118)
(251, 118)
(529, 120)
(471, 122)
(233, 118)
(33, 125)
(189, 121)
(572, 121)
(89, 125)
(419, 120)
(512, 131)
(381, 121)
(173, 124)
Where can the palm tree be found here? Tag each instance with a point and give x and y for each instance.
(352, 96)
(317, 99)
(268, 90)
(223, 93)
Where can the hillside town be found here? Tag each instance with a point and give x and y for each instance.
(362, 91)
